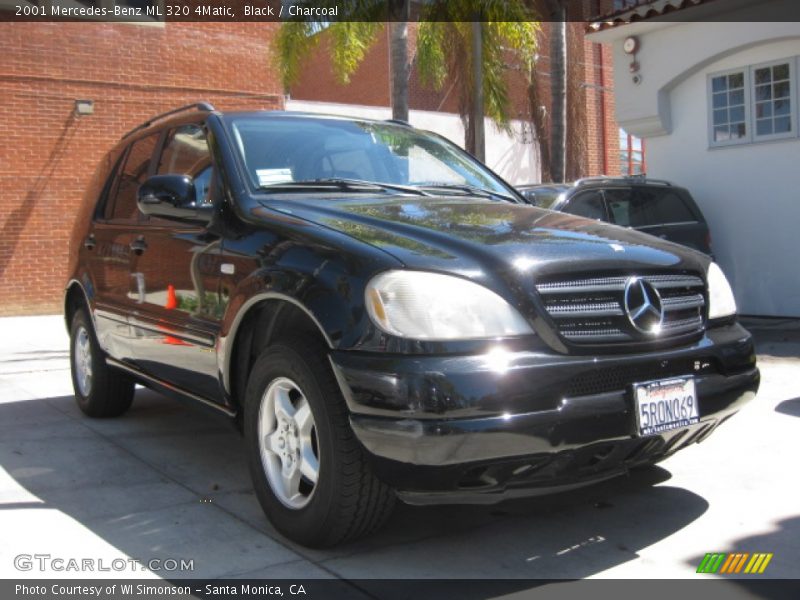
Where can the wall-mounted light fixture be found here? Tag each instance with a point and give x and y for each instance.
(84, 107)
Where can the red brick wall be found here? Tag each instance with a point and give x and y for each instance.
(369, 85)
(603, 135)
(131, 72)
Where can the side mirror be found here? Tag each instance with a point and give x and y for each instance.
(172, 197)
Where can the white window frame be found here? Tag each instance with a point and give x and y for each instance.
(751, 135)
(792, 99)
(745, 71)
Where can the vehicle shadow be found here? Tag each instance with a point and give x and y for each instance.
(789, 407)
(170, 481)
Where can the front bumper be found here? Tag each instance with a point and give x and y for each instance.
(484, 428)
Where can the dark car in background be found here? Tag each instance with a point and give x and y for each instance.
(385, 318)
(652, 206)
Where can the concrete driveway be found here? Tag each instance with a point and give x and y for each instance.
(170, 481)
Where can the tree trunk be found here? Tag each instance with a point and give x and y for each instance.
(399, 62)
(558, 91)
(476, 118)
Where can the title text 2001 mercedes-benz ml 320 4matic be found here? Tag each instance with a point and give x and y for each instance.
(384, 317)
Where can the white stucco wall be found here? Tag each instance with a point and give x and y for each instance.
(515, 161)
(749, 193)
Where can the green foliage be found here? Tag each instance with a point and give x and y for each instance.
(444, 47)
(210, 307)
(292, 45)
(349, 44)
(351, 36)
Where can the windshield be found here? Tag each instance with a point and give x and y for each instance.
(285, 150)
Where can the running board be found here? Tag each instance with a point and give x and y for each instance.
(171, 387)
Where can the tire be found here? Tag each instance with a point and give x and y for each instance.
(346, 501)
(107, 392)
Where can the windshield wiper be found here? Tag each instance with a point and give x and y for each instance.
(466, 189)
(344, 184)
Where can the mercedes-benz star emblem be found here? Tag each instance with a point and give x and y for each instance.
(643, 306)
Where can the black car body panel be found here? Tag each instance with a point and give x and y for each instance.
(443, 420)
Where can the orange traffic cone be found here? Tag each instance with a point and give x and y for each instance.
(172, 300)
(172, 304)
(173, 341)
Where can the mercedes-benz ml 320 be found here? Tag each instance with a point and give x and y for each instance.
(385, 317)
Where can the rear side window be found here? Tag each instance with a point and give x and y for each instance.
(186, 152)
(135, 168)
(543, 198)
(589, 205)
(644, 207)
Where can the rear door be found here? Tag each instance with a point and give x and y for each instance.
(175, 278)
(662, 211)
(110, 248)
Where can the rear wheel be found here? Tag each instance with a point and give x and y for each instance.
(309, 472)
(100, 390)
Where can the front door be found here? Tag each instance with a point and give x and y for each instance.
(175, 279)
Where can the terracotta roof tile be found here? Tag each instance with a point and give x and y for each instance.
(642, 11)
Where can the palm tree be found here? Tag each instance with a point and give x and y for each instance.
(447, 41)
(350, 41)
(400, 67)
(558, 90)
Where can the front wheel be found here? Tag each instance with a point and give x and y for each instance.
(309, 472)
(100, 390)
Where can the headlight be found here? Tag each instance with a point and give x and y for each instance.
(429, 306)
(721, 302)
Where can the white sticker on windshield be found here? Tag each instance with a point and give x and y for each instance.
(270, 176)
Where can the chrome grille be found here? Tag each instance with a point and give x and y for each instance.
(591, 310)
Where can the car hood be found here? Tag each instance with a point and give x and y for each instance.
(475, 237)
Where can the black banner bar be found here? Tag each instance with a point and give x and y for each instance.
(331, 11)
(397, 589)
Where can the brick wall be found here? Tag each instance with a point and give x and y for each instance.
(131, 72)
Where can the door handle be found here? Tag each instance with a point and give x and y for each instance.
(138, 246)
(90, 242)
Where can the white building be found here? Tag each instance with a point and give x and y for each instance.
(716, 99)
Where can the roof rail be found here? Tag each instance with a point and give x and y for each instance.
(625, 179)
(643, 178)
(594, 178)
(201, 106)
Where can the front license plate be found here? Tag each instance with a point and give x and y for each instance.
(665, 404)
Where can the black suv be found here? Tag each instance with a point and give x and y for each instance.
(652, 206)
(385, 317)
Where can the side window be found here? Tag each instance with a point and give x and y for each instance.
(644, 207)
(588, 204)
(669, 207)
(621, 204)
(132, 174)
(186, 152)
